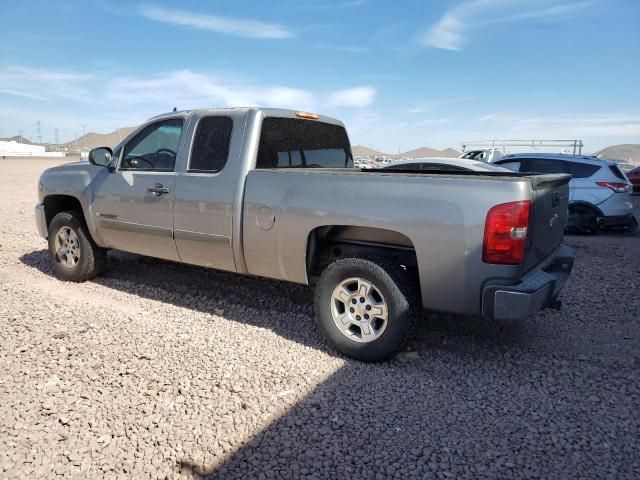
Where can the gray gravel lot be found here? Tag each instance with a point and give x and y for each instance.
(158, 370)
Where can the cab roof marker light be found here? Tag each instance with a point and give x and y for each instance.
(308, 115)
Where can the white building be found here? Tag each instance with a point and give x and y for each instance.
(15, 149)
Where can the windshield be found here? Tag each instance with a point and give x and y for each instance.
(294, 143)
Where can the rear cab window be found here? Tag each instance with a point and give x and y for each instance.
(301, 143)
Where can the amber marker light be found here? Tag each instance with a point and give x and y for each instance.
(307, 115)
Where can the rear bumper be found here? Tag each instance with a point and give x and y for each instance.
(617, 220)
(41, 221)
(537, 290)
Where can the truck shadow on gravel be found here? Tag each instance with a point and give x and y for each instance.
(212, 291)
(473, 399)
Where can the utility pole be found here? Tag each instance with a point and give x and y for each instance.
(55, 134)
(84, 132)
(76, 137)
(39, 131)
(20, 136)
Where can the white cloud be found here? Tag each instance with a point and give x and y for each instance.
(343, 48)
(352, 97)
(17, 93)
(114, 100)
(42, 84)
(564, 125)
(451, 31)
(188, 89)
(233, 26)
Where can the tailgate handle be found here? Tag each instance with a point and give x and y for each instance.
(555, 199)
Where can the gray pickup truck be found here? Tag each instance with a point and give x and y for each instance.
(274, 193)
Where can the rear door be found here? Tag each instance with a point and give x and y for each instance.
(204, 192)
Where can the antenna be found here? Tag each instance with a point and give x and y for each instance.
(175, 109)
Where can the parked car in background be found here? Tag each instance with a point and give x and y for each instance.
(634, 178)
(488, 155)
(599, 190)
(445, 164)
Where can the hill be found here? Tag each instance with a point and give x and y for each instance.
(93, 140)
(18, 139)
(451, 153)
(629, 152)
(429, 152)
(360, 151)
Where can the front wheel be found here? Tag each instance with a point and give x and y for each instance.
(75, 255)
(366, 307)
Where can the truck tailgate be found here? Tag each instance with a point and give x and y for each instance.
(548, 216)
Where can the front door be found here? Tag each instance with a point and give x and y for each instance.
(134, 204)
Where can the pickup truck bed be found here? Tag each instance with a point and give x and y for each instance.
(258, 203)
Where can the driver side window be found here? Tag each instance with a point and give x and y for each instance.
(154, 148)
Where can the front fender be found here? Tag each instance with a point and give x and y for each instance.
(75, 180)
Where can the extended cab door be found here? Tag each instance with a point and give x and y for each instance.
(134, 204)
(205, 188)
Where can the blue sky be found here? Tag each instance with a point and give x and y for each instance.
(400, 74)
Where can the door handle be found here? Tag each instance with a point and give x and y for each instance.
(158, 189)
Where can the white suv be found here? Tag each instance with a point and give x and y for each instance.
(600, 194)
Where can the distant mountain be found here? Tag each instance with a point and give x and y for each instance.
(420, 153)
(18, 139)
(360, 151)
(628, 152)
(451, 153)
(93, 140)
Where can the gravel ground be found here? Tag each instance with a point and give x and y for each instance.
(158, 370)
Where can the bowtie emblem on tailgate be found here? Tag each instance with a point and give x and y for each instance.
(555, 219)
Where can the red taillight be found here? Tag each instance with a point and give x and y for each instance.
(618, 187)
(505, 233)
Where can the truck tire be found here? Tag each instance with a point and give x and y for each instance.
(366, 307)
(75, 255)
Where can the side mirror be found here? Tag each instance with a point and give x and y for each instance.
(101, 156)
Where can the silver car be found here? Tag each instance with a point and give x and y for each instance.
(599, 192)
(445, 164)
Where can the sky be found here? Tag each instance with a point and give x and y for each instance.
(400, 74)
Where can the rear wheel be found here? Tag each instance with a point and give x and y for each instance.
(582, 219)
(75, 255)
(366, 307)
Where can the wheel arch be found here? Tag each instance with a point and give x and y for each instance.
(581, 203)
(56, 203)
(327, 243)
